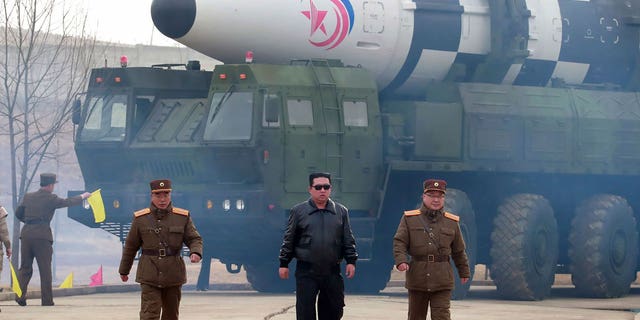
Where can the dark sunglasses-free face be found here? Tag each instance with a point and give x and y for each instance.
(322, 186)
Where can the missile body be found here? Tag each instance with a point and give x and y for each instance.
(407, 44)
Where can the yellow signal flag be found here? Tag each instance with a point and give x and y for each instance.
(15, 285)
(97, 206)
(68, 282)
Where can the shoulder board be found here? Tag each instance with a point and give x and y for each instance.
(142, 212)
(412, 212)
(181, 211)
(452, 216)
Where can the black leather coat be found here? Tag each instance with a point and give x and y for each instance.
(321, 237)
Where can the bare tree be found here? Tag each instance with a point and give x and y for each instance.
(45, 61)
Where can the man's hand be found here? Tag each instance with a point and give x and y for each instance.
(8, 251)
(403, 267)
(464, 280)
(350, 270)
(124, 277)
(283, 273)
(194, 258)
(85, 195)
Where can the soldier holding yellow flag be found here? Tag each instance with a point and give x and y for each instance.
(36, 211)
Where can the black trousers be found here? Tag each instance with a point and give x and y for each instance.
(327, 287)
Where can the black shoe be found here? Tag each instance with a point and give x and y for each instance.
(21, 302)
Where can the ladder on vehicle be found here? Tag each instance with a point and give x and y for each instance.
(333, 123)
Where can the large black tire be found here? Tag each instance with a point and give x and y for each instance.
(524, 248)
(264, 277)
(459, 204)
(370, 278)
(603, 247)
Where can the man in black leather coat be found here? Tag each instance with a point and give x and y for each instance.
(319, 236)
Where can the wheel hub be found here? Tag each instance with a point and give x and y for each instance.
(540, 250)
(618, 249)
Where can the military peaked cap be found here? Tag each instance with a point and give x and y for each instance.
(434, 185)
(162, 185)
(47, 179)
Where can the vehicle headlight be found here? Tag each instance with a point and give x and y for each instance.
(226, 205)
(240, 205)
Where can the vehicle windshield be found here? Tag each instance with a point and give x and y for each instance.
(106, 118)
(230, 116)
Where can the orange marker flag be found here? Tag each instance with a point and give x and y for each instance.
(96, 278)
(15, 286)
(95, 200)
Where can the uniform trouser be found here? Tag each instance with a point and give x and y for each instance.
(329, 290)
(419, 302)
(42, 251)
(155, 299)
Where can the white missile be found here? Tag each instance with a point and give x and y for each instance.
(407, 44)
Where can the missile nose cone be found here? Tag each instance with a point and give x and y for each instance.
(174, 18)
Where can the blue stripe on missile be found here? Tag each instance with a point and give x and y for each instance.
(437, 26)
(349, 7)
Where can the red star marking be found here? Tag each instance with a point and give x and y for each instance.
(317, 18)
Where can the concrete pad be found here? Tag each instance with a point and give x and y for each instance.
(482, 304)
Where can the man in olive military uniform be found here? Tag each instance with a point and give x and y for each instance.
(5, 240)
(36, 211)
(160, 231)
(430, 237)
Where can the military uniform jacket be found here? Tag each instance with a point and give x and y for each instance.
(4, 231)
(428, 245)
(148, 230)
(36, 211)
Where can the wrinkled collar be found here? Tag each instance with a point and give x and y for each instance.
(331, 206)
(432, 215)
(160, 212)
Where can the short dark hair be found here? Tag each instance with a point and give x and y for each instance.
(319, 175)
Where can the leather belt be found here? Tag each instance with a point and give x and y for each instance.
(433, 258)
(161, 252)
(37, 222)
